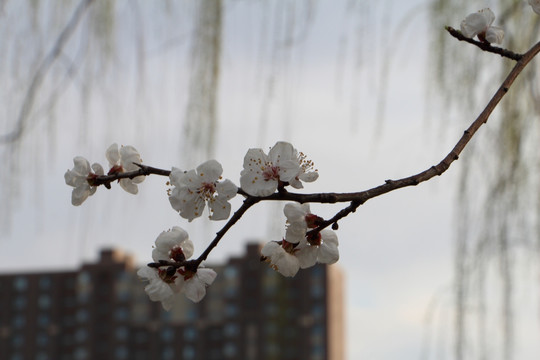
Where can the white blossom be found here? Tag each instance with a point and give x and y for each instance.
(494, 34)
(306, 173)
(194, 285)
(479, 24)
(173, 245)
(161, 287)
(535, 5)
(79, 176)
(299, 220)
(262, 173)
(123, 160)
(168, 280)
(281, 257)
(320, 249)
(195, 188)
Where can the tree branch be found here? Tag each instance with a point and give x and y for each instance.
(356, 198)
(484, 45)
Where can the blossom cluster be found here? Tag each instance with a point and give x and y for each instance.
(191, 191)
(301, 248)
(82, 178)
(167, 281)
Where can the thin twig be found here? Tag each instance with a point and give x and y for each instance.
(484, 45)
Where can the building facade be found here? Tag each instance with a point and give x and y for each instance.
(101, 311)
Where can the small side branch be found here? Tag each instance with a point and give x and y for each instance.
(484, 45)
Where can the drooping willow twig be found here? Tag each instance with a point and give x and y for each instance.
(355, 199)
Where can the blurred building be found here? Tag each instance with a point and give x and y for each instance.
(101, 312)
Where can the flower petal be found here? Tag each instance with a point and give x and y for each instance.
(494, 35)
(209, 171)
(307, 256)
(195, 287)
(477, 22)
(129, 186)
(128, 156)
(79, 194)
(112, 155)
(226, 189)
(220, 209)
(328, 250)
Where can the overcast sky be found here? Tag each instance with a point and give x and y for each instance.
(396, 250)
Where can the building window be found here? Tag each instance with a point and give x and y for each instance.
(271, 349)
(318, 352)
(167, 353)
(80, 335)
(84, 286)
(271, 329)
(140, 337)
(121, 352)
(317, 290)
(44, 301)
(43, 320)
(230, 273)
(188, 353)
(317, 335)
(231, 330)
(19, 321)
(318, 311)
(20, 283)
(122, 286)
(192, 313)
(121, 314)
(229, 350)
(121, 333)
(167, 335)
(82, 315)
(215, 354)
(17, 340)
(231, 310)
(190, 334)
(81, 354)
(271, 310)
(42, 356)
(45, 282)
(42, 339)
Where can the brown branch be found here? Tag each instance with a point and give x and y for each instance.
(484, 45)
(357, 198)
(144, 170)
(194, 264)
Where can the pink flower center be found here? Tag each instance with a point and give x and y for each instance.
(271, 173)
(207, 190)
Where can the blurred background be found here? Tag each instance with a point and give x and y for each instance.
(367, 90)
